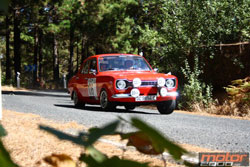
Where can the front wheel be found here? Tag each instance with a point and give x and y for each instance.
(104, 102)
(166, 107)
(77, 102)
(129, 107)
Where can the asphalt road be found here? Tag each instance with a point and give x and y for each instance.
(209, 132)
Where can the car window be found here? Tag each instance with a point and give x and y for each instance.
(121, 62)
(93, 65)
(85, 68)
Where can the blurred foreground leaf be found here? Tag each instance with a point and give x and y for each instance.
(97, 155)
(159, 143)
(96, 133)
(94, 158)
(63, 136)
(109, 162)
(84, 139)
(142, 142)
(5, 160)
(2, 131)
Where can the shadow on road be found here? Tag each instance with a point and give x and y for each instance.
(98, 109)
(28, 93)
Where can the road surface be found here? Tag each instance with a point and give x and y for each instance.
(204, 131)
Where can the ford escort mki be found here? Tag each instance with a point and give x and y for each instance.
(122, 80)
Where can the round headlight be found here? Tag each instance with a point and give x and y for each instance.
(121, 84)
(170, 83)
(161, 82)
(136, 82)
(163, 92)
(135, 93)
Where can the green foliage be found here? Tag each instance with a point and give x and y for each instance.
(4, 6)
(195, 91)
(27, 38)
(239, 93)
(110, 25)
(5, 159)
(238, 103)
(147, 134)
(186, 28)
(167, 32)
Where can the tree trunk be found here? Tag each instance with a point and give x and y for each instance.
(55, 61)
(82, 51)
(17, 43)
(40, 63)
(85, 50)
(71, 51)
(77, 56)
(8, 71)
(35, 56)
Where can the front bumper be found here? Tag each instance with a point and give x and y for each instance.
(129, 98)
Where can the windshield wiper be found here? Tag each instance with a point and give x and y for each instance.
(113, 69)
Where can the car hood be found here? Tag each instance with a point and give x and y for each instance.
(130, 75)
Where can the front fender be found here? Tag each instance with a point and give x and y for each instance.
(107, 83)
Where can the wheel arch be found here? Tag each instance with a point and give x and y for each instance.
(74, 89)
(107, 85)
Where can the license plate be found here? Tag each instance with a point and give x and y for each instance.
(145, 98)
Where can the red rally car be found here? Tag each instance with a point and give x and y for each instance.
(122, 80)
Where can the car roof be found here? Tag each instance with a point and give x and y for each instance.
(113, 54)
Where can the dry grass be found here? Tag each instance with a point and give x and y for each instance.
(11, 88)
(231, 109)
(226, 110)
(28, 145)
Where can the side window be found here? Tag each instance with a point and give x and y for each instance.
(85, 68)
(93, 65)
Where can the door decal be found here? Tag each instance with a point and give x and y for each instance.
(92, 87)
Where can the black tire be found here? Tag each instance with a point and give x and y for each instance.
(129, 107)
(166, 107)
(77, 102)
(104, 102)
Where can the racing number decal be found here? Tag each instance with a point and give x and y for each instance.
(92, 87)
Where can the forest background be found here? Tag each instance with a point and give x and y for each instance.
(209, 37)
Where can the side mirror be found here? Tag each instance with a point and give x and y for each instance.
(156, 69)
(92, 71)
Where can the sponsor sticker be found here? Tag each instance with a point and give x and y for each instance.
(145, 98)
(92, 87)
(224, 159)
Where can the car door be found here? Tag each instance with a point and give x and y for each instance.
(91, 90)
(82, 79)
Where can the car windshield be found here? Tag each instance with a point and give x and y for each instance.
(121, 62)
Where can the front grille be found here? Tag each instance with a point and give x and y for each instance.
(144, 83)
(149, 83)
